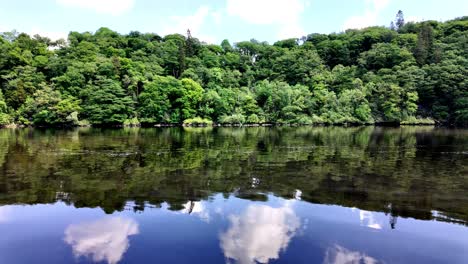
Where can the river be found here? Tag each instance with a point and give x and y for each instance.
(234, 195)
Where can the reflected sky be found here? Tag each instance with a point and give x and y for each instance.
(367, 219)
(102, 240)
(5, 212)
(225, 230)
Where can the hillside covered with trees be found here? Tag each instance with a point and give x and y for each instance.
(407, 73)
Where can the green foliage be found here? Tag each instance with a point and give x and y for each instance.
(412, 120)
(106, 103)
(20, 83)
(235, 119)
(253, 119)
(384, 55)
(48, 107)
(394, 103)
(5, 118)
(133, 122)
(197, 121)
(168, 100)
(375, 74)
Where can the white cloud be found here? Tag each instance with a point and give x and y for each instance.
(53, 35)
(341, 255)
(180, 24)
(259, 234)
(370, 16)
(217, 17)
(265, 12)
(102, 240)
(113, 7)
(285, 14)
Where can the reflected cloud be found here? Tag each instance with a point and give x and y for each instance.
(101, 240)
(341, 255)
(367, 219)
(259, 234)
(298, 195)
(196, 208)
(5, 213)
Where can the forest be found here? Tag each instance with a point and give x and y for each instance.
(406, 73)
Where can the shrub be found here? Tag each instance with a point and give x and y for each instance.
(131, 122)
(253, 119)
(84, 123)
(5, 119)
(304, 120)
(236, 119)
(198, 121)
(412, 120)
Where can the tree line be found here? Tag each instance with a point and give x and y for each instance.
(407, 73)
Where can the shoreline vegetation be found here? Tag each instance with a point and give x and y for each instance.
(406, 74)
(209, 123)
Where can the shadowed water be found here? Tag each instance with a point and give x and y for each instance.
(234, 195)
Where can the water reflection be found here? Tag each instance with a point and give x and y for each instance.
(259, 234)
(102, 240)
(197, 209)
(340, 255)
(239, 194)
(367, 219)
(5, 212)
(238, 231)
(297, 194)
(415, 169)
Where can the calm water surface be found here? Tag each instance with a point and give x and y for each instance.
(234, 195)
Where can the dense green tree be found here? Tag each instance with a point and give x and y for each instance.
(384, 55)
(105, 103)
(169, 100)
(47, 107)
(5, 118)
(425, 45)
(190, 96)
(20, 83)
(375, 74)
(154, 101)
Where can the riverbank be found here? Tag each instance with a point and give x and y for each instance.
(162, 125)
(202, 122)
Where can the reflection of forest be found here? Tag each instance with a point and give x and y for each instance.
(416, 170)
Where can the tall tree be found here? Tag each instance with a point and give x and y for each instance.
(399, 20)
(425, 44)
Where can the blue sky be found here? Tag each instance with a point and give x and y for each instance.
(215, 20)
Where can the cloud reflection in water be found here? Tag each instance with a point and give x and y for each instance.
(259, 234)
(102, 240)
(198, 209)
(5, 212)
(367, 219)
(340, 255)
